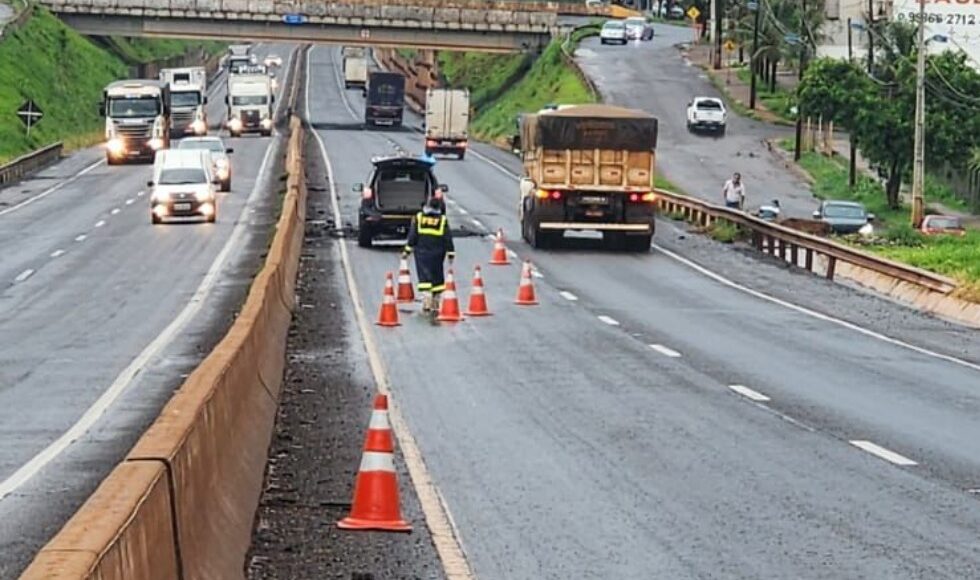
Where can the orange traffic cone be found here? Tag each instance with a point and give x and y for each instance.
(478, 299)
(389, 313)
(525, 293)
(376, 505)
(499, 257)
(449, 310)
(405, 292)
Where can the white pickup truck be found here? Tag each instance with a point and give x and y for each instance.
(706, 113)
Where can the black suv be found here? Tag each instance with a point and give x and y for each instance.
(396, 190)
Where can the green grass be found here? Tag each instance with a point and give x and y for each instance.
(779, 103)
(64, 73)
(528, 86)
(408, 53)
(724, 232)
(661, 182)
(143, 50)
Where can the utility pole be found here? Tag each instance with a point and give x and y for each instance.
(716, 32)
(804, 40)
(753, 63)
(871, 36)
(919, 154)
(852, 165)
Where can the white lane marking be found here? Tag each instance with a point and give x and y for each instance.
(886, 454)
(130, 201)
(114, 211)
(749, 393)
(80, 238)
(100, 223)
(608, 320)
(512, 254)
(52, 189)
(140, 193)
(123, 380)
(340, 87)
(535, 273)
(478, 224)
(24, 275)
(57, 253)
(812, 313)
(665, 351)
(437, 515)
(491, 237)
(463, 211)
(568, 296)
(495, 165)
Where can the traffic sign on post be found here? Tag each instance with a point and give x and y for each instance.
(29, 114)
(730, 45)
(693, 13)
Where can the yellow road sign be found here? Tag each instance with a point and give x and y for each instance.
(693, 13)
(729, 45)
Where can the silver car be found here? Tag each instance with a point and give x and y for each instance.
(637, 28)
(219, 153)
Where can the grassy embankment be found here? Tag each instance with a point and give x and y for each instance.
(64, 73)
(956, 257)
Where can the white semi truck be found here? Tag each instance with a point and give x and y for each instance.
(137, 119)
(188, 100)
(447, 118)
(250, 102)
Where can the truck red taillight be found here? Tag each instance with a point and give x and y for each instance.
(649, 197)
(545, 194)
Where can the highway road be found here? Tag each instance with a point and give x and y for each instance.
(654, 77)
(653, 419)
(101, 314)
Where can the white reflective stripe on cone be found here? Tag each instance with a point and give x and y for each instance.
(377, 461)
(379, 420)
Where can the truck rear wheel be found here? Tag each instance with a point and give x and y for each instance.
(461, 155)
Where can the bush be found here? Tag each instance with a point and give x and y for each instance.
(724, 232)
(904, 235)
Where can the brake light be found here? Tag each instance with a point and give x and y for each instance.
(555, 195)
(645, 197)
(431, 143)
(634, 197)
(368, 193)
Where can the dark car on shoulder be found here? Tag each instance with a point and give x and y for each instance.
(395, 191)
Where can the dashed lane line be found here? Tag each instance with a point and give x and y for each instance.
(130, 201)
(749, 393)
(100, 223)
(478, 224)
(881, 452)
(568, 296)
(80, 237)
(665, 350)
(24, 275)
(57, 253)
(114, 211)
(608, 320)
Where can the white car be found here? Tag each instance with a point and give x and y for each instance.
(613, 31)
(183, 186)
(707, 113)
(219, 155)
(272, 60)
(637, 28)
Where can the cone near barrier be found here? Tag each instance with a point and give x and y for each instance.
(525, 292)
(449, 310)
(389, 312)
(499, 257)
(406, 293)
(478, 298)
(376, 505)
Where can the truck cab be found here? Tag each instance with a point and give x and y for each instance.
(250, 103)
(188, 100)
(137, 119)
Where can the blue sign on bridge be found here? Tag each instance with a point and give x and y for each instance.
(294, 19)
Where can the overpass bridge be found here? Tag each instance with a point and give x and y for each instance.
(485, 25)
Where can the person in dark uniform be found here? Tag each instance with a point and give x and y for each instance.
(431, 240)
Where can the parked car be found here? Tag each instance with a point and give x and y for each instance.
(933, 225)
(637, 28)
(219, 154)
(613, 31)
(844, 217)
(706, 113)
(676, 11)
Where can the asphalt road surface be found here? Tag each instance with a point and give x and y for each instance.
(652, 76)
(648, 420)
(102, 313)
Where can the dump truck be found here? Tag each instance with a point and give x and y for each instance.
(385, 103)
(588, 168)
(447, 119)
(137, 119)
(188, 97)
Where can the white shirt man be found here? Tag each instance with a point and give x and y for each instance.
(734, 192)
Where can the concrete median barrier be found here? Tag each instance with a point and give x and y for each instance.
(124, 530)
(182, 503)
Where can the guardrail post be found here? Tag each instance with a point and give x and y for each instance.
(782, 250)
(757, 240)
(809, 259)
(831, 266)
(794, 252)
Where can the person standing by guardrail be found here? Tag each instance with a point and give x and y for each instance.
(734, 192)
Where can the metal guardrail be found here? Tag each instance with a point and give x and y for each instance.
(787, 243)
(29, 163)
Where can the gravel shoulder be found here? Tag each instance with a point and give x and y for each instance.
(316, 448)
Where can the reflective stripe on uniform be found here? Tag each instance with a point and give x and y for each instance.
(424, 286)
(438, 288)
(430, 226)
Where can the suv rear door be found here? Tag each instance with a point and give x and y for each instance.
(401, 185)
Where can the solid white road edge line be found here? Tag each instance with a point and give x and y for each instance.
(52, 189)
(123, 380)
(886, 454)
(608, 320)
(24, 275)
(665, 351)
(437, 515)
(749, 393)
(568, 296)
(813, 313)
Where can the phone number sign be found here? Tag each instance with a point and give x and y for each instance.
(959, 20)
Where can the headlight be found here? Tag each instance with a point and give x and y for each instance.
(266, 123)
(116, 146)
(235, 124)
(159, 198)
(223, 172)
(207, 209)
(202, 195)
(199, 127)
(156, 143)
